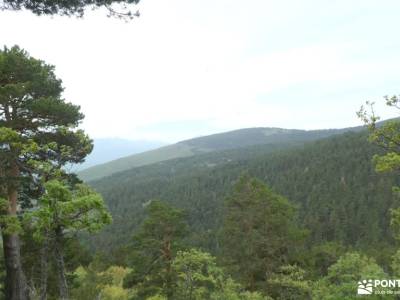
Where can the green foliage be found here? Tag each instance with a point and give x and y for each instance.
(233, 291)
(342, 278)
(93, 284)
(332, 183)
(385, 135)
(33, 255)
(10, 139)
(198, 276)
(61, 209)
(42, 125)
(395, 222)
(53, 224)
(70, 7)
(258, 233)
(35, 91)
(340, 200)
(38, 137)
(289, 283)
(157, 297)
(86, 283)
(396, 264)
(388, 163)
(154, 248)
(38, 134)
(322, 256)
(10, 224)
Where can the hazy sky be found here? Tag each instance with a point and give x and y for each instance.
(190, 68)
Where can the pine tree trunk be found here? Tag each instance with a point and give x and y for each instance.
(62, 279)
(15, 282)
(43, 269)
(168, 260)
(16, 287)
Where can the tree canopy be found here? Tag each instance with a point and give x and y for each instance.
(154, 248)
(70, 7)
(258, 233)
(38, 137)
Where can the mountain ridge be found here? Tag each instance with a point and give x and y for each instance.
(216, 142)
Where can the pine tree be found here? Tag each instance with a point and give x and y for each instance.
(38, 136)
(258, 233)
(63, 213)
(154, 249)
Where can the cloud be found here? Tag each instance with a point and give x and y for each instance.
(219, 65)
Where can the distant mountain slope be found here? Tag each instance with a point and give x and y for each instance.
(109, 149)
(216, 142)
(136, 160)
(332, 181)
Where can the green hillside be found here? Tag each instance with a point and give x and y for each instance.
(332, 181)
(216, 142)
(136, 160)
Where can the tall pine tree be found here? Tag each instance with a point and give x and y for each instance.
(38, 136)
(259, 234)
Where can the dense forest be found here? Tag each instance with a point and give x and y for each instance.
(252, 214)
(336, 219)
(332, 182)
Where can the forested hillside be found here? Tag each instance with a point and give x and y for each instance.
(331, 181)
(216, 142)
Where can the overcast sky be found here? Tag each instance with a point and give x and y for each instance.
(191, 68)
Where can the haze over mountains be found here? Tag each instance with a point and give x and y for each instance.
(274, 137)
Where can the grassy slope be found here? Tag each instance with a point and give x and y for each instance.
(137, 160)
